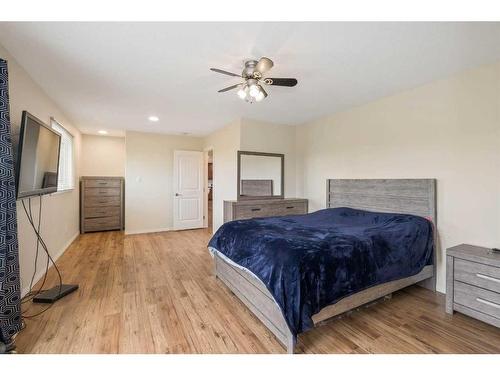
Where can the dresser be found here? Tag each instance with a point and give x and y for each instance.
(101, 204)
(473, 282)
(247, 209)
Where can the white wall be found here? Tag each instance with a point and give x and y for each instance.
(225, 143)
(103, 155)
(60, 210)
(449, 130)
(149, 179)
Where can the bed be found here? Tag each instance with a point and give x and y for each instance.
(293, 272)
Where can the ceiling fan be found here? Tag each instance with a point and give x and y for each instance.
(251, 89)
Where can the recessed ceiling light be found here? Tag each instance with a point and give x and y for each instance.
(153, 118)
(102, 132)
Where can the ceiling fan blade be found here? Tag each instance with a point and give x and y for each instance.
(264, 65)
(224, 72)
(229, 88)
(289, 82)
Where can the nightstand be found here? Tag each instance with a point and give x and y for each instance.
(473, 282)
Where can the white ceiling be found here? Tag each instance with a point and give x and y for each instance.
(114, 75)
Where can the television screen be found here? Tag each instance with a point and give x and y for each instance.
(37, 159)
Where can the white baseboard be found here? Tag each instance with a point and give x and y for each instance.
(143, 231)
(55, 256)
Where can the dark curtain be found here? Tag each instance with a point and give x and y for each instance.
(10, 298)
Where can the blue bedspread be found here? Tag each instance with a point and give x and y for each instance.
(310, 261)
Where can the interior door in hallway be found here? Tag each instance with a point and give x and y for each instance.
(188, 189)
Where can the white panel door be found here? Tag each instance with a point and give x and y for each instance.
(188, 189)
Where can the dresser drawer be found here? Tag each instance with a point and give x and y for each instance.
(102, 201)
(103, 223)
(102, 192)
(482, 275)
(105, 211)
(482, 300)
(248, 212)
(102, 183)
(298, 208)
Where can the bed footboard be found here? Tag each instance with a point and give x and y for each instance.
(253, 293)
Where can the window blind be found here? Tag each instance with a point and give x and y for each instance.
(66, 162)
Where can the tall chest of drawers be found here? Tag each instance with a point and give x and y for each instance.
(101, 204)
(473, 282)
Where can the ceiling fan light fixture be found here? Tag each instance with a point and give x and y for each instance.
(242, 92)
(261, 95)
(254, 90)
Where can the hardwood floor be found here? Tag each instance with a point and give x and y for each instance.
(156, 293)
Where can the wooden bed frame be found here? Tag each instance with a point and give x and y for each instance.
(409, 196)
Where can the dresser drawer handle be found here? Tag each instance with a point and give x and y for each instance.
(255, 209)
(103, 183)
(288, 207)
(488, 277)
(489, 303)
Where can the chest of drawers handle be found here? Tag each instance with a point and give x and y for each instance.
(255, 209)
(480, 275)
(288, 207)
(489, 303)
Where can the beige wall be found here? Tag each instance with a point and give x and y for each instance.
(60, 210)
(149, 179)
(103, 156)
(449, 130)
(247, 135)
(225, 143)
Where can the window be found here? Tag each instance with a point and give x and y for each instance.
(66, 163)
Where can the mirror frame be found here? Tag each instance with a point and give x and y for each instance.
(255, 153)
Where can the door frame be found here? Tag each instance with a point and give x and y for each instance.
(206, 150)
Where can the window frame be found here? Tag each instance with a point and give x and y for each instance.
(64, 134)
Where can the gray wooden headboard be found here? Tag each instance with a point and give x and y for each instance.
(405, 196)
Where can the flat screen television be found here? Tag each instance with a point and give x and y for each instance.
(37, 158)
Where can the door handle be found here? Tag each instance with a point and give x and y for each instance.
(178, 195)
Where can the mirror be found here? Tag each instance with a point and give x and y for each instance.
(260, 175)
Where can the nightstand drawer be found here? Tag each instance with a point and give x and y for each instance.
(478, 299)
(482, 275)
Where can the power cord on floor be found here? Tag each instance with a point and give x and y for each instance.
(40, 241)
